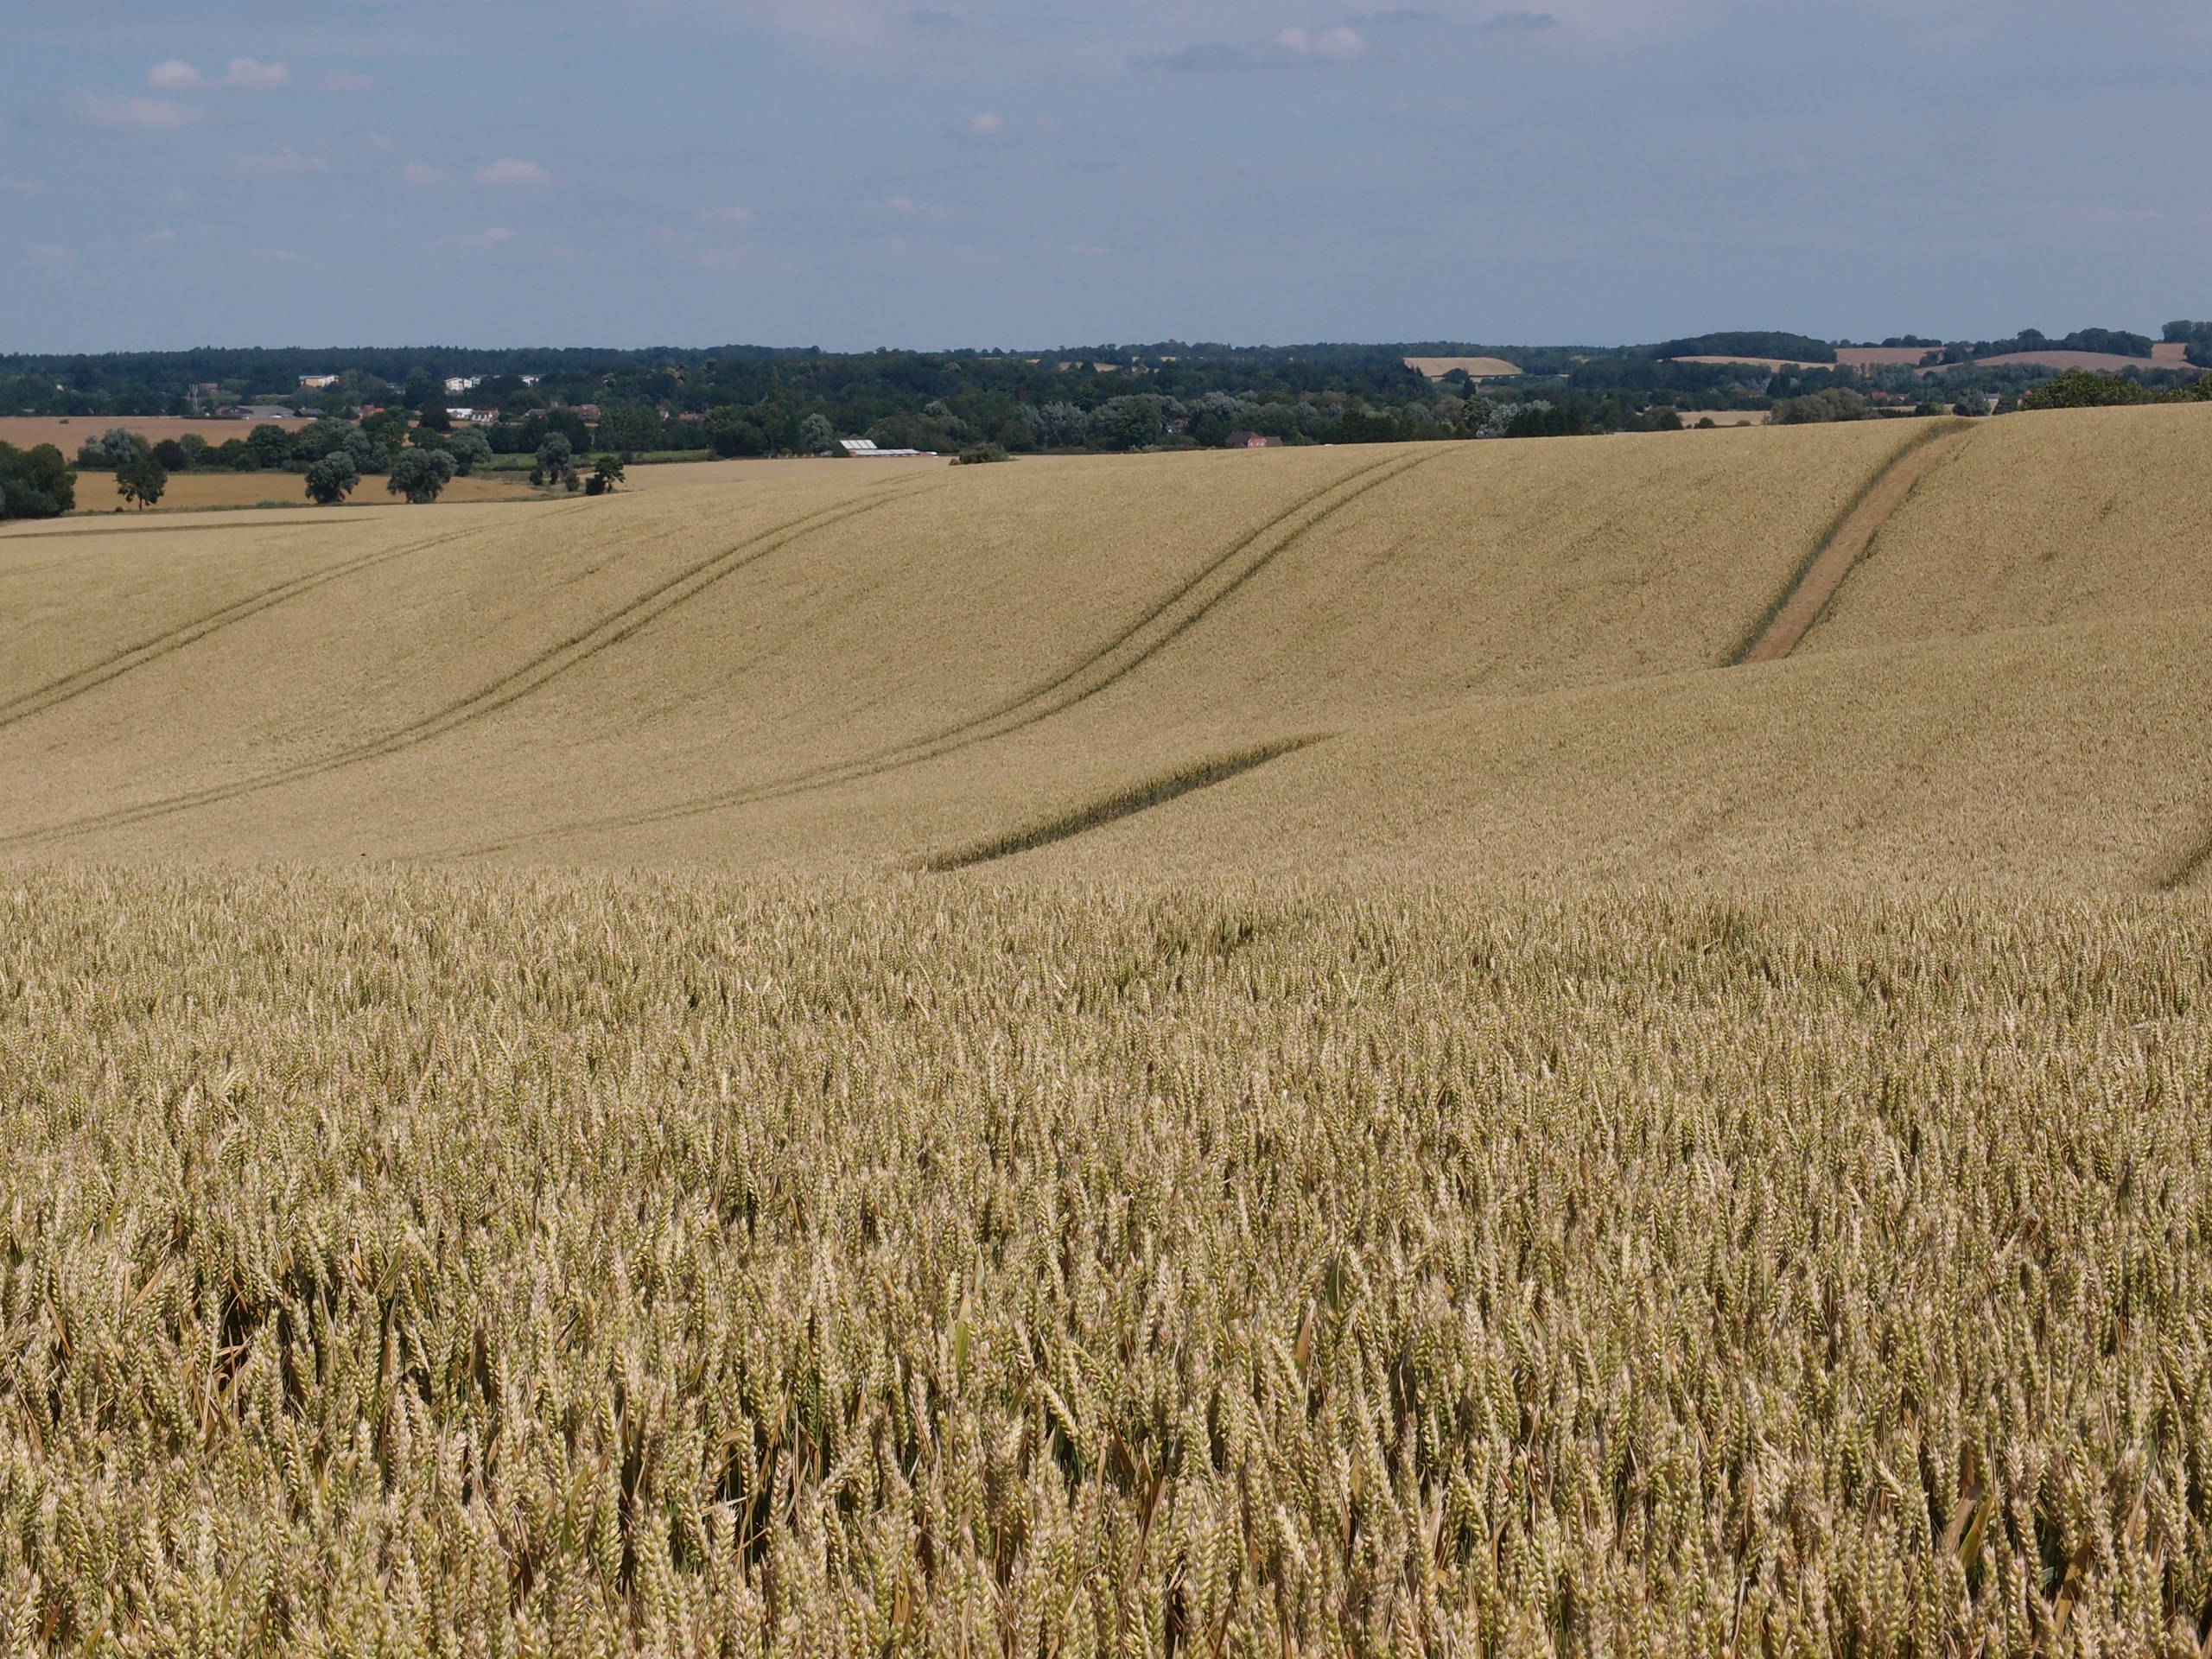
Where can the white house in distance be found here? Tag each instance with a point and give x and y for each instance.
(317, 381)
(865, 449)
(474, 417)
(460, 383)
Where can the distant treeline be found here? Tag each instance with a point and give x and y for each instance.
(1797, 348)
(738, 400)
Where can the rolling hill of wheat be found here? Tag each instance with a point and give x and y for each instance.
(1502, 658)
(1587, 1047)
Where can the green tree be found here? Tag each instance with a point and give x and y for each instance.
(112, 451)
(434, 418)
(141, 480)
(732, 430)
(171, 454)
(469, 449)
(556, 461)
(271, 446)
(632, 429)
(420, 474)
(331, 480)
(366, 453)
(1834, 404)
(607, 469)
(387, 428)
(815, 435)
(312, 443)
(36, 483)
(2081, 388)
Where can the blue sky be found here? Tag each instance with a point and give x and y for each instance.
(853, 173)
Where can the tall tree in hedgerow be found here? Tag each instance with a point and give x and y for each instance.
(331, 480)
(420, 474)
(141, 480)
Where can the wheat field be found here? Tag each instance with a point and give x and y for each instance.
(464, 1263)
(1258, 1054)
(840, 671)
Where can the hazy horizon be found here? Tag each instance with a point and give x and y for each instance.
(851, 174)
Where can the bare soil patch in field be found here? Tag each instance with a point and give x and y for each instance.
(1883, 357)
(1437, 367)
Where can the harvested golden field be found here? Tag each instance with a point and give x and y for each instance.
(494, 1263)
(1435, 368)
(65, 432)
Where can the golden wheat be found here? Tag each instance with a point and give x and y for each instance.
(846, 668)
(478, 1265)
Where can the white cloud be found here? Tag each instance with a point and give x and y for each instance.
(1292, 47)
(1336, 45)
(727, 215)
(154, 239)
(988, 125)
(158, 113)
(345, 81)
(486, 238)
(421, 173)
(257, 76)
(281, 257)
(907, 207)
(508, 171)
(174, 75)
(281, 164)
(48, 251)
(23, 186)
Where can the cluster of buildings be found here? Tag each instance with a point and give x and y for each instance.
(205, 394)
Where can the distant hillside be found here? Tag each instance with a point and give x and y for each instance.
(1502, 659)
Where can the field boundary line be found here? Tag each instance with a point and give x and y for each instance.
(1129, 649)
(1805, 598)
(508, 688)
(1112, 809)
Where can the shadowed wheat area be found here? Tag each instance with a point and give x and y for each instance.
(1264, 1054)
